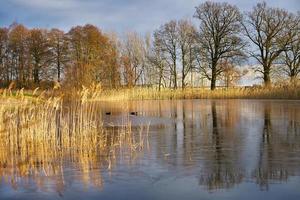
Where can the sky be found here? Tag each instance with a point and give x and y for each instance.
(111, 15)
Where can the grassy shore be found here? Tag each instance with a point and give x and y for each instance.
(198, 93)
(96, 93)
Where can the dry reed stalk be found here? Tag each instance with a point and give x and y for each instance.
(198, 93)
(38, 135)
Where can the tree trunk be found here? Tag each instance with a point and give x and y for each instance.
(293, 79)
(267, 79)
(175, 73)
(213, 83)
(175, 80)
(160, 79)
(58, 69)
(58, 74)
(36, 75)
(183, 68)
(183, 80)
(213, 76)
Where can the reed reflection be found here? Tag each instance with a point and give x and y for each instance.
(48, 147)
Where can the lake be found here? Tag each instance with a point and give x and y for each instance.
(193, 149)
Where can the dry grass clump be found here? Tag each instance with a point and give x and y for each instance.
(38, 137)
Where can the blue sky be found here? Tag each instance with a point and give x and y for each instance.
(110, 15)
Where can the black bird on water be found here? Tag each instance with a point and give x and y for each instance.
(133, 113)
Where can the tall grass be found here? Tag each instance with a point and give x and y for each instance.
(39, 135)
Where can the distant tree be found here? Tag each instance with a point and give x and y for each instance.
(32, 56)
(218, 37)
(40, 53)
(59, 51)
(186, 43)
(291, 56)
(167, 36)
(4, 57)
(112, 62)
(20, 57)
(267, 28)
(148, 74)
(89, 50)
(133, 59)
(231, 74)
(158, 61)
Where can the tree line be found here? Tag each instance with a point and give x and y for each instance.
(178, 51)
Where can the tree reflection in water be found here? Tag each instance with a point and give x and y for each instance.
(280, 141)
(220, 169)
(221, 143)
(226, 142)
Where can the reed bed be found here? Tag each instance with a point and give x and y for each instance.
(38, 136)
(200, 93)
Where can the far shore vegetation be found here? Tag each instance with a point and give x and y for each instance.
(96, 93)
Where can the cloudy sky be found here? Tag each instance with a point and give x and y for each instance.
(110, 15)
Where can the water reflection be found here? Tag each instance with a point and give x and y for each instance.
(225, 143)
(221, 143)
(42, 167)
(280, 142)
(221, 170)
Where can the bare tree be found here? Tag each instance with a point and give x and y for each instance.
(291, 55)
(4, 51)
(18, 45)
(186, 41)
(133, 59)
(231, 75)
(219, 37)
(158, 62)
(112, 72)
(149, 72)
(59, 49)
(168, 39)
(267, 29)
(39, 52)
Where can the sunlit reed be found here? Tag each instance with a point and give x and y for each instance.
(40, 134)
(201, 93)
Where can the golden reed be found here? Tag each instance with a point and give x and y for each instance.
(39, 135)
